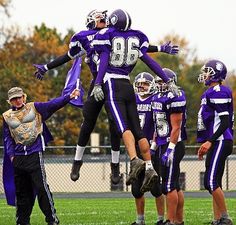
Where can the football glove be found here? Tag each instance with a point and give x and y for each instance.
(167, 48)
(173, 87)
(97, 92)
(41, 70)
(168, 156)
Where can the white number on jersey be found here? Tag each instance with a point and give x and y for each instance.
(162, 126)
(123, 51)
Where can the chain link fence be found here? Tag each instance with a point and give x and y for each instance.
(95, 172)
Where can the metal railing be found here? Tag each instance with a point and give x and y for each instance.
(95, 172)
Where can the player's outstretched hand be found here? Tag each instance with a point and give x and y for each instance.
(41, 70)
(170, 49)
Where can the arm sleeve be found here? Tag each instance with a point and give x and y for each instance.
(9, 142)
(152, 48)
(58, 61)
(154, 66)
(104, 59)
(224, 124)
(46, 109)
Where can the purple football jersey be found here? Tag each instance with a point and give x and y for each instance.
(163, 105)
(81, 42)
(144, 109)
(124, 48)
(215, 102)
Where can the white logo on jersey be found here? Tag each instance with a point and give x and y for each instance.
(144, 107)
(157, 105)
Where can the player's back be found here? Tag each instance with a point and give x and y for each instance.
(125, 47)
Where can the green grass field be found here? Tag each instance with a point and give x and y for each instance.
(112, 211)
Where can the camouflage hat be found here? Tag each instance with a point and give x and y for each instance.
(15, 92)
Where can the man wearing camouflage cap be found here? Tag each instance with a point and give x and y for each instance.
(25, 136)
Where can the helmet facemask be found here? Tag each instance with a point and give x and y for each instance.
(206, 75)
(94, 17)
(144, 85)
(163, 87)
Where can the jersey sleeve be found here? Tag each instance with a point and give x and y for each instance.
(178, 103)
(220, 101)
(101, 41)
(75, 46)
(144, 43)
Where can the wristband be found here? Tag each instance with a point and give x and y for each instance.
(171, 146)
(159, 48)
(45, 67)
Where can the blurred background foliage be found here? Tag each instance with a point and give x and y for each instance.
(19, 51)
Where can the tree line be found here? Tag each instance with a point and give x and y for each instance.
(19, 51)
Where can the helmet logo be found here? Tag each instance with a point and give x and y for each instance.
(114, 19)
(219, 66)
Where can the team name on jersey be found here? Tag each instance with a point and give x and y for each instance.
(91, 37)
(203, 101)
(144, 107)
(157, 105)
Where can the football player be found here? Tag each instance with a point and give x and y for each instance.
(119, 48)
(81, 44)
(144, 87)
(215, 132)
(169, 115)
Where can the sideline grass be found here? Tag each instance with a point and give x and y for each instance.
(104, 211)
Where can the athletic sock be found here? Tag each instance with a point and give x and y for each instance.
(115, 156)
(79, 152)
(140, 219)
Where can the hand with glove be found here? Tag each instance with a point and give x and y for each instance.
(41, 70)
(97, 92)
(168, 156)
(167, 48)
(173, 87)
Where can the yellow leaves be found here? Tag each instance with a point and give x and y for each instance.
(70, 127)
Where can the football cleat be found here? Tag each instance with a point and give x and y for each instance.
(160, 222)
(74, 175)
(115, 173)
(141, 223)
(225, 221)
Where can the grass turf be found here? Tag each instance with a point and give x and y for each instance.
(113, 211)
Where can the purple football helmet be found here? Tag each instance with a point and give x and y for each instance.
(120, 19)
(94, 17)
(161, 86)
(212, 71)
(144, 84)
